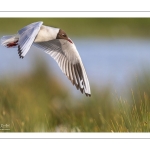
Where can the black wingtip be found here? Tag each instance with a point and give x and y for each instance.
(88, 95)
(20, 52)
(21, 57)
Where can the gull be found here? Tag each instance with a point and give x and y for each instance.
(56, 43)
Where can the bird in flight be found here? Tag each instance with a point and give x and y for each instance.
(57, 44)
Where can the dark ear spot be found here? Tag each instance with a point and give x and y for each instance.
(61, 35)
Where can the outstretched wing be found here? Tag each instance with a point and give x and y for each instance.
(68, 59)
(26, 37)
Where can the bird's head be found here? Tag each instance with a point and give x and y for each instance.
(62, 35)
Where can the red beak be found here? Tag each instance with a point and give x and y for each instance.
(70, 40)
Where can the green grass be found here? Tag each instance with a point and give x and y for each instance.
(36, 102)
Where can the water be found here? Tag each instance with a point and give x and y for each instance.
(107, 61)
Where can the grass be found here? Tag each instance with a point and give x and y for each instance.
(36, 102)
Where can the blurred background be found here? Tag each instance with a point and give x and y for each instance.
(35, 96)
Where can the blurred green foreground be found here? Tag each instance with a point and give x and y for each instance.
(38, 103)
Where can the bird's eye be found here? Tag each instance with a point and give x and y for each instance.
(64, 35)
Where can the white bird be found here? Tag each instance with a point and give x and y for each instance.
(57, 44)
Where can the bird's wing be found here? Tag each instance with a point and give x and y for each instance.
(26, 37)
(68, 59)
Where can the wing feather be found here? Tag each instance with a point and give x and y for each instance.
(26, 37)
(67, 71)
(69, 61)
(61, 61)
(70, 72)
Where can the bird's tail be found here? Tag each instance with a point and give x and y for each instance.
(10, 40)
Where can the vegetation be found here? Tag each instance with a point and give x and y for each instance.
(86, 26)
(36, 102)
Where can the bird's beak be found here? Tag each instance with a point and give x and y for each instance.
(70, 40)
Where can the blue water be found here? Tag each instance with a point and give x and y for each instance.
(112, 61)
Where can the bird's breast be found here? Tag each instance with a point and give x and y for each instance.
(46, 34)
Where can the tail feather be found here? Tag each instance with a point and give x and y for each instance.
(10, 40)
